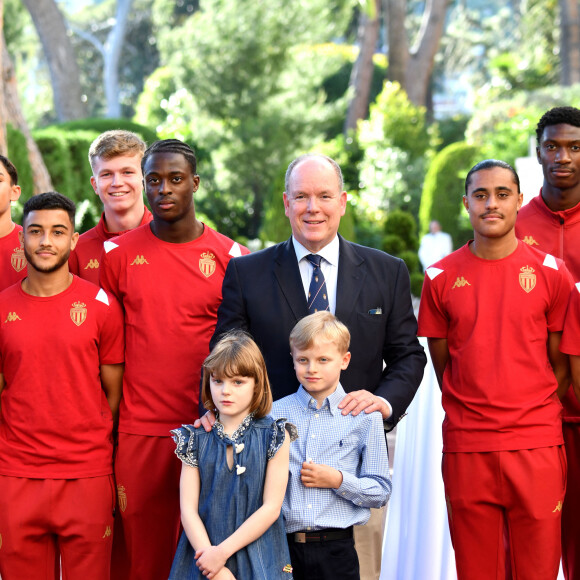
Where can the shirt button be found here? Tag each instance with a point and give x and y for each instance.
(309, 528)
(309, 506)
(313, 436)
(343, 493)
(317, 415)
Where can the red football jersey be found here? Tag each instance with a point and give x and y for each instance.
(499, 390)
(56, 421)
(556, 233)
(170, 293)
(85, 260)
(12, 260)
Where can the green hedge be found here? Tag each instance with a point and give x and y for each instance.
(443, 190)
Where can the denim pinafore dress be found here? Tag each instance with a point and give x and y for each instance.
(228, 497)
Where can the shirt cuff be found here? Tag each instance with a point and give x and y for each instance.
(388, 406)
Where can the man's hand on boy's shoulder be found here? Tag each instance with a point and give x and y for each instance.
(320, 475)
(356, 402)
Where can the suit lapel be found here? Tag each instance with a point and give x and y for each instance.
(351, 277)
(288, 277)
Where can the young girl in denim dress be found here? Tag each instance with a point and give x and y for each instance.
(234, 477)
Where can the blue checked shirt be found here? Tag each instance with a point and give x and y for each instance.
(353, 445)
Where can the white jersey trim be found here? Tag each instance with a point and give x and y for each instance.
(102, 297)
(433, 272)
(550, 262)
(235, 250)
(108, 245)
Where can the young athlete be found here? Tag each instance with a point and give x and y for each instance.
(168, 276)
(115, 158)
(339, 467)
(493, 314)
(12, 260)
(61, 368)
(233, 478)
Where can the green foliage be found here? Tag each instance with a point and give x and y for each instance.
(252, 100)
(411, 259)
(393, 244)
(452, 129)
(416, 283)
(140, 56)
(402, 224)
(397, 145)
(503, 128)
(18, 154)
(443, 191)
(98, 126)
(65, 156)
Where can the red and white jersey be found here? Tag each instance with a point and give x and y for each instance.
(170, 293)
(556, 233)
(55, 418)
(499, 390)
(12, 260)
(85, 260)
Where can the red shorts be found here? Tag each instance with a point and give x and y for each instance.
(147, 525)
(42, 518)
(520, 492)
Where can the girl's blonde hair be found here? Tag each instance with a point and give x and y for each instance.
(236, 354)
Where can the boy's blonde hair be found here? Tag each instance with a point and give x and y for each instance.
(116, 143)
(236, 354)
(320, 326)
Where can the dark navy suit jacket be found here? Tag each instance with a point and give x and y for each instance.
(263, 295)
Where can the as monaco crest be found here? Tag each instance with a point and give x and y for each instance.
(18, 260)
(527, 278)
(78, 313)
(207, 264)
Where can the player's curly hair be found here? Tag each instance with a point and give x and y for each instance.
(557, 116)
(171, 146)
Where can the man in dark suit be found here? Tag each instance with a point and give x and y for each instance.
(266, 294)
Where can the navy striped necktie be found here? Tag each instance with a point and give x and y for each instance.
(317, 293)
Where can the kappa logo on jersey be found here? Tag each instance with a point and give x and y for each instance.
(92, 264)
(460, 283)
(78, 313)
(527, 278)
(530, 241)
(558, 507)
(12, 317)
(18, 260)
(207, 264)
(139, 260)
(108, 533)
(122, 497)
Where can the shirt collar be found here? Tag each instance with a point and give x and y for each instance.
(329, 252)
(332, 401)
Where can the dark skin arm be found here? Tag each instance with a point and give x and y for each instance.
(560, 363)
(2, 385)
(439, 351)
(112, 384)
(575, 370)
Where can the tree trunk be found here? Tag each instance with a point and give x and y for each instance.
(112, 56)
(396, 14)
(569, 42)
(3, 138)
(412, 68)
(361, 77)
(64, 70)
(42, 181)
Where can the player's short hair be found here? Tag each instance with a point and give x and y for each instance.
(236, 354)
(557, 116)
(49, 200)
(306, 156)
(10, 169)
(115, 143)
(172, 146)
(490, 164)
(321, 325)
